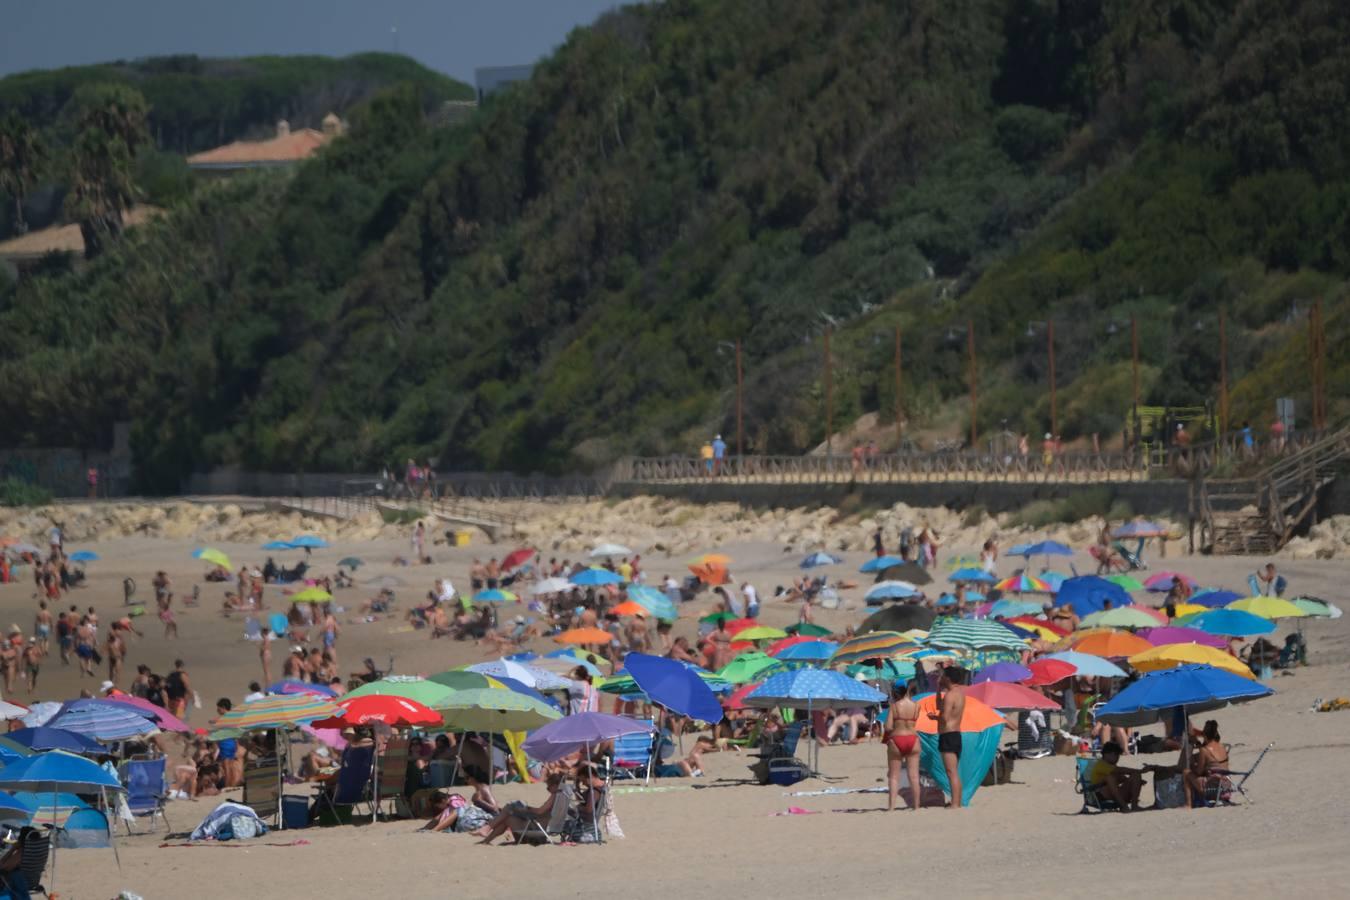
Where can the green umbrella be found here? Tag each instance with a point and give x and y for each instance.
(1126, 582)
(1314, 607)
(809, 629)
(426, 692)
(889, 670)
(351, 562)
(459, 680)
(746, 667)
(716, 617)
(495, 710)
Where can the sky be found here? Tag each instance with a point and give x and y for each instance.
(452, 36)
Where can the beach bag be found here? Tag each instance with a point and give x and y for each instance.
(1169, 793)
(786, 772)
(242, 828)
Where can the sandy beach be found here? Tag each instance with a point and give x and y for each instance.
(723, 833)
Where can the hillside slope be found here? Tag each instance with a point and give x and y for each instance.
(561, 282)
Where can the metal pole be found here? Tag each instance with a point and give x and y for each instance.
(1054, 400)
(899, 406)
(740, 419)
(1223, 372)
(829, 402)
(974, 382)
(1134, 367)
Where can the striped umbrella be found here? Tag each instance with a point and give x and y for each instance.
(102, 722)
(1024, 584)
(278, 711)
(973, 634)
(876, 645)
(655, 602)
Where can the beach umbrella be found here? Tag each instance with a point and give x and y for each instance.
(610, 550)
(142, 707)
(59, 771)
(1310, 605)
(495, 595)
(1005, 695)
(813, 689)
(1140, 529)
(46, 737)
(1159, 616)
(711, 559)
(311, 595)
(385, 582)
(551, 586)
(580, 731)
(760, 633)
(1121, 617)
(1112, 644)
(1049, 671)
(1187, 609)
(10, 710)
(1228, 622)
(746, 667)
(1044, 630)
(396, 712)
(1087, 665)
(1044, 548)
(102, 722)
(495, 710)
(874, 645)
(736, 699)
(783, 643)
(981, 733)
(819, 559)
(1126, 582)
(14, 811)
(629, 608)
(277, 711)
(673, 686)
(1009, 608)
(84, 556)
(714, 618)
(309, 542)
(910, 571)
(584, 636)
(1023, 584)
(890, 590)
(973, 634)
(1190, 688)
(711, 574)
(808, 629)
(426, 691)
(351, 562)
(517, 558)
(214, 556)
(898, 617)
(889, 670)
(1180, 634)
(1213, 598)
(1087, 594)
(1054, 579)
(971, 575)
(291, 686)
(1268, 608)
(1002, 671)
(622, 683)
(528, 675)
(1169, 656)
(809, 651)
(879, 563)
(595, 578)
(39, 713)
(279, 545)
(654, 601)
(1162, 582)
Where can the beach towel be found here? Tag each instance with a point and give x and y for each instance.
(229, 820)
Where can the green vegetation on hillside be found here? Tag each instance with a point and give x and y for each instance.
(561, 282)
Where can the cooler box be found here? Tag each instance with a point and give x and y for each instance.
(462, 538)
(787, 772)
(294, 811)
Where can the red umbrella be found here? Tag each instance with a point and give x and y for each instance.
(396, 712)
(1040, 623)
(1048, 671)
(1007, 695)
(738, 625)
(517, 557)
(736, 699)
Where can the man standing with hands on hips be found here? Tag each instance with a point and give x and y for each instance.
(951, 705)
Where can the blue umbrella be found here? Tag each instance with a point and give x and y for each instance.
(1214, 598)
(595, 578)
(494, 595)
(813, 689)
(1054, 579)
(279, 545)
(83, 556)
(57, 770)
(674, 686)
(1192, 688)
(1139, 529)
(1087, 594)
(654, 601)
(310, 541)
(820, 559)
(817, 651)
(13, 810)
(881, 563)
(970, 573)
(946, 600)
(49, 738)
(1044, 548)
(1009, 608)
(1089, 665)
(101, 721)
(891, 590)
(1228, 622)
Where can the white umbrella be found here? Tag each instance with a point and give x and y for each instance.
(610, 550)
(12, 711)
(551, 586)
(21, 549)
(39, 713)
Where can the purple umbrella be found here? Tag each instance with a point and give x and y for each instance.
(1177, 634)
(577, 732)
(1003, 671)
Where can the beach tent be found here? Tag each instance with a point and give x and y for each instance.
(981, 734)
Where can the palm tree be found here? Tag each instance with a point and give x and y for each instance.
(111, 124)
(22, 156)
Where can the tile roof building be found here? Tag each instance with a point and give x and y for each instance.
(285, 149)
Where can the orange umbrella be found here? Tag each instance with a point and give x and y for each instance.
(1113, 644)
(630, 608)
(8, 541)
(977, 716)
(715, 559)
(585, 636)
(710, 573)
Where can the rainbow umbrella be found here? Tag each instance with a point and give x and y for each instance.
(1024, 584)
(277, 711)
(876, 645)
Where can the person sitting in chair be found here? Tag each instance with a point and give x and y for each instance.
(1115, 782)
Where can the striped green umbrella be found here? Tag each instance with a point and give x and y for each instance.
(973, 634)
(655, 602)
(1127, 582)
(277, 711)
(1315, 607)
(424, 691)
(495, 710)
(889, 670)
(874, 645)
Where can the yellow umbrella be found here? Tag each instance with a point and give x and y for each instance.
(759, 633)
(212, 555)
(1268, 608)
(1169, 656)
(311, 595)
(1186, 609)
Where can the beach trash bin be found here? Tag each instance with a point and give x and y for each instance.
(294, 811)
(462, 538)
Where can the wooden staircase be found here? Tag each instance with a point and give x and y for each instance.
(1259, 516)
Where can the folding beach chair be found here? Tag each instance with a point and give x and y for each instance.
(536, 832)
(262, 787)
(1107, 561)
(633, 753)
(351, 785)
(37, 850)
(1093, 800)
(1220, 790)
(144, 781)
(393, 771)
(1135, 558)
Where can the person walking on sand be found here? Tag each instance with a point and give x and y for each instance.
(32, 663)
(419, 542)
(951, 705)
(117, 651)
(9, 660)
(42, 626)
(84, 646)
(902, 745)
(265, 654)
(177, 689)
(331, 629)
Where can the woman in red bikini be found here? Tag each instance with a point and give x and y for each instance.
(902, 745)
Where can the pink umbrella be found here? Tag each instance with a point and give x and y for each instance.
(1176, 634)
(1163, 581)
(1005, 695)
(1148, 610)
(330, 736)
(166, 720)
